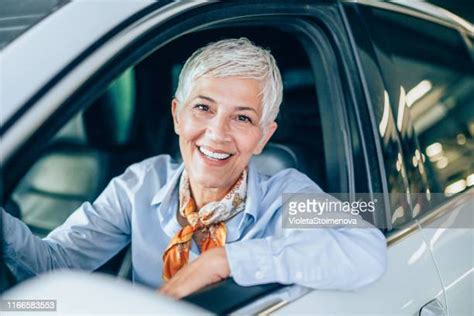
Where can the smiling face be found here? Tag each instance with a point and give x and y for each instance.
(219, 130)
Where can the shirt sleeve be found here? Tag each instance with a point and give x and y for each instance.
(339, 258)
(88, 238)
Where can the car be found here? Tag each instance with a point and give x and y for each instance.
(378, 99)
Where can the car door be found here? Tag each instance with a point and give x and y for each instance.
(433, 106)
(443, 131)
(411, 283)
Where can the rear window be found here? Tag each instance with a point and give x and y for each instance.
(16, 16)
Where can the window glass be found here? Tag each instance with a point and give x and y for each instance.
(383, 102)
(441, 103)
(430, 64)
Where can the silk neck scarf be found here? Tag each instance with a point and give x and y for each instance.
(210, 220)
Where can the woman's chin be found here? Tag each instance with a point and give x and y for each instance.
(212, 178)
(212, 182)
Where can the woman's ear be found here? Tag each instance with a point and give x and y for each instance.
(174, 112)
(268, 132)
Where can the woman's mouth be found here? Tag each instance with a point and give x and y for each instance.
(208, 153)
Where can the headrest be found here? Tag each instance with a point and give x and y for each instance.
(109, 120)
(275, 157)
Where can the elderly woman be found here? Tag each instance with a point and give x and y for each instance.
(214, 215)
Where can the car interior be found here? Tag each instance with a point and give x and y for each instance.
(131, 121)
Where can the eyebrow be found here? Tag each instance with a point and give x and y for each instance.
(246, 108)
(206, 98)
(239, 108)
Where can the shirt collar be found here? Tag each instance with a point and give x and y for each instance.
(253, 190)
(167, 190)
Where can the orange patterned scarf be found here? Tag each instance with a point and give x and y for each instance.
(209, 220)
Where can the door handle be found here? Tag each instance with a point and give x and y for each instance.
(433, 308)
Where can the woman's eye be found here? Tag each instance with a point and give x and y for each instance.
(202, 107)
(244, 118)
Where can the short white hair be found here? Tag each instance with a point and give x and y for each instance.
(239, 58)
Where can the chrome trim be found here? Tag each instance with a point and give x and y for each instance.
(429, 12)
(272, 307)
(273, 301)
(447, 207)
(399, 235)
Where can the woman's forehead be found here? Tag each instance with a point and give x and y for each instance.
(235, 91)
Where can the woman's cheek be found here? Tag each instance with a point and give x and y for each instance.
(192, 126)
(249, 138)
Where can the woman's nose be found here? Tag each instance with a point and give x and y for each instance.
(218, 129)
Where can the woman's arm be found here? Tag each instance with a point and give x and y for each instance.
(320, 258)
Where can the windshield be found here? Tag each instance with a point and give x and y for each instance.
(18, 16)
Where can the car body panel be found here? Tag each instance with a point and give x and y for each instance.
(450, 236)
(409, 283)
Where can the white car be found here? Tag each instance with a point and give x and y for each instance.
(378, 99)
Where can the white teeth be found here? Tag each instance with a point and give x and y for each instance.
(210, 154)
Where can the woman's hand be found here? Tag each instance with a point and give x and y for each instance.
(208, 268)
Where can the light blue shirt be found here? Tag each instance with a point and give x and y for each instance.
(140, 206)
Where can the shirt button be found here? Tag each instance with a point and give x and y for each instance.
(299, 275)
(259, 274)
